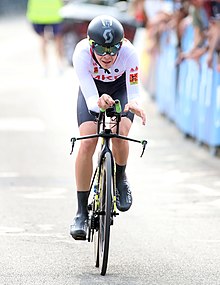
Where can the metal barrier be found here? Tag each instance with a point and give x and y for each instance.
(208, 119)
(188, 93)
(166, 76)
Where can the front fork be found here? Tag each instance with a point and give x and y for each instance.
(94, 207)
(114, 213)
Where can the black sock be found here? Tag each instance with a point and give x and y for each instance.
(82, 197)
(120, 172)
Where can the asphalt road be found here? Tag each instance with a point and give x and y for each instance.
(171, 235)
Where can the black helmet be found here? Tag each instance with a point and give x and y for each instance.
(105, 30)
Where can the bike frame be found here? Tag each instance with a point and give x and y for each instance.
(97, 213)
(106, 134)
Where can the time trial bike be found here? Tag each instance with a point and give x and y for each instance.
(102, 209)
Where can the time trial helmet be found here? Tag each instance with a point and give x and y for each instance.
(105, 31)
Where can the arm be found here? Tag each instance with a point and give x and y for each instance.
(134, 107)
(132, 83)
(81, 63)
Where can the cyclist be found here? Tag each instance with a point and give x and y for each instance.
(106, 65)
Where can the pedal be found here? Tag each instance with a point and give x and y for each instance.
(89, 207)
(101, 213)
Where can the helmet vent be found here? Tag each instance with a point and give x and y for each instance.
(106, 22)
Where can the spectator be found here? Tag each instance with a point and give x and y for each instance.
(199, 19)
(158, 13)
(137, 9)
(205, 16)
(46, 21)
(214, 33)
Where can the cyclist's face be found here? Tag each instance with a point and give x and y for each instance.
(106, 61)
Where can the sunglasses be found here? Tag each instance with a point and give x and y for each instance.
(101, 50)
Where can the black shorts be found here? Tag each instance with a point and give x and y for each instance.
(55, 28)
(116, 89)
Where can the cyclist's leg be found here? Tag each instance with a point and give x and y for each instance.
(83, 165)
(87, 126)
(83, 169)
(120, 150)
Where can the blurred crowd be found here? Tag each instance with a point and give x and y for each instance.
(156, 16)
(160, 15)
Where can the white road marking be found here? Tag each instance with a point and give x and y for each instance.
(26, 234)
(6, 230)
(46, 227)
(41, 193)
(21, 232)
(54, 237)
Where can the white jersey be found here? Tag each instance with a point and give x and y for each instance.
(87, 69)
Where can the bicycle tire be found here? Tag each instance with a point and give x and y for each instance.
(105, 217)
(93, 233)
(96, 246)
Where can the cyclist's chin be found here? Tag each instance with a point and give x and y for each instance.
(106, 65)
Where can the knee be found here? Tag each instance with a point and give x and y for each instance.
(119, 144)
(88, 146)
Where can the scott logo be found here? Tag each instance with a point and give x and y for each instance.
(107, 35)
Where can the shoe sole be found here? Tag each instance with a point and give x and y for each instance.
(123, 209)
(78, 235)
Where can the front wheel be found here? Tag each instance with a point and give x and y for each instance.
(105, 213)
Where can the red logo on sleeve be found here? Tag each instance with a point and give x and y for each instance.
(134, 78)
(134, 69)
